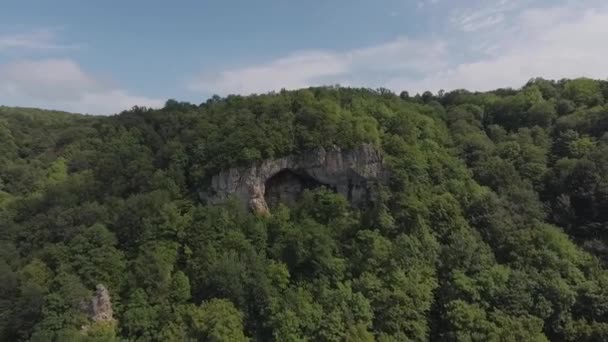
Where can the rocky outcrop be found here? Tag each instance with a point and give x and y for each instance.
(99, 311)
(348, 172)
(100, 308)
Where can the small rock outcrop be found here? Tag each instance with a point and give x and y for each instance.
(100, 308)
(263, 185)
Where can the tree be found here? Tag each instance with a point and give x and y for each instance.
(217, 320)
(583, 91)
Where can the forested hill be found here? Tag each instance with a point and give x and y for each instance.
(493, 226)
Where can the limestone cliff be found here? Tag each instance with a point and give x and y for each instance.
(263, 185)
(100, 307)
(99, 311)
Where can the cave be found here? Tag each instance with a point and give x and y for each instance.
(286, 186)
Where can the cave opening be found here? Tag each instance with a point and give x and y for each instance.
(287, 186)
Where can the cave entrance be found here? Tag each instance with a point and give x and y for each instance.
(286, 186)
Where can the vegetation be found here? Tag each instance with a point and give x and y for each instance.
(494, 226)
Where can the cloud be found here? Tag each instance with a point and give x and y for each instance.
(63, 84)
(308, 68)
(558, 42)
(41, 39)
(473, 24)
(423, 3)
(503, 45)
(486, 14)
(294, 71)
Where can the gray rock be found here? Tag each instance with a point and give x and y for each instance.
(348, 172)
(100, 309)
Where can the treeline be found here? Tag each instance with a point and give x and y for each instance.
(493, 226)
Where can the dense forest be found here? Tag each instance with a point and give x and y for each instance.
(492, 227)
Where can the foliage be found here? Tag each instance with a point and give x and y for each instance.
(493, 226)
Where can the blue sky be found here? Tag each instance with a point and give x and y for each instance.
(104, 56)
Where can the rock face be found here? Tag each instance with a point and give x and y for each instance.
(100, 308)
(264, 185)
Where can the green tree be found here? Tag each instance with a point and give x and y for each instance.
(217, 320)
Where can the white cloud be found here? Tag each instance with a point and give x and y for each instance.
(399, 55)
(308, 68)
(41, 39)
(474, 24)
(486, 14)
(554, 43)
(293, 71)
(62, 84)
(500, 46)
(423, 3)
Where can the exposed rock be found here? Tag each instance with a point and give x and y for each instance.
(348, 172)
(100, 308)
(257, 203)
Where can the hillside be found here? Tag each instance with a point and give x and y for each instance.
(491, 224)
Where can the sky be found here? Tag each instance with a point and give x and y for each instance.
(101, 57)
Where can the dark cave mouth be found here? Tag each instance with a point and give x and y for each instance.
(287, 186)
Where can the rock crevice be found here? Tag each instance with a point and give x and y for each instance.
(265, 184)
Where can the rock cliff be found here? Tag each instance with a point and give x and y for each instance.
(263, 185)
(100, 308)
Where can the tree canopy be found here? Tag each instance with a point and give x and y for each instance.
(492, 227)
